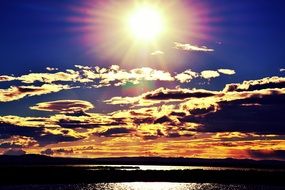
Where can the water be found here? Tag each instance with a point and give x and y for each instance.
(166, 168)
(143, 186)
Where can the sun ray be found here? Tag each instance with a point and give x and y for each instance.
(146, 23)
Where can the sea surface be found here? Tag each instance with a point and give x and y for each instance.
(143, 186)
(147, 185)
(166, 168)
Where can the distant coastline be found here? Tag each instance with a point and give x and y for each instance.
(32, 159)
(36, 169)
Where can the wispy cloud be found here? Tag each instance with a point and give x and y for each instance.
(64, 106)
(157, 52)
(190, 47)
(4, 78)
(16, 93)
(51, 69)
(227, 71)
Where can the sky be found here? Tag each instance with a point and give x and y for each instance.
(105, 78)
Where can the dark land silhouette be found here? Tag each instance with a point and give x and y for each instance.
(36, 169)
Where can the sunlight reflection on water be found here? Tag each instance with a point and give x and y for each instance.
(165, 168)
(143, 186)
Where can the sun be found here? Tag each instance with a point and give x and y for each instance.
(146, 24)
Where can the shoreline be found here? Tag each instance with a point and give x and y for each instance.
(18, 175)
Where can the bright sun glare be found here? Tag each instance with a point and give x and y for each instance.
(146, 24)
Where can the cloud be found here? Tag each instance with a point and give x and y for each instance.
(208, 74)
(232, 121)
(66, 76)
(5, 78)
(162, 93)
(186, 76)
(118, 131)
(93, 77)
(64, 106)
(267, 154)
(47, 152)
(59, 151)
(252, 111)
(99, 77)
(42, 130)
(251, 85)
(262, 115)
(163, 119)
(14, 152)
(158, 52)
(18, 142)
(96, 77)
(51, 69)
(16, 93)
(190, 47)
(282, 70)
(227, 71)
(121, 77)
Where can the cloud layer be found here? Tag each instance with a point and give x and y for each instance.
(244, 120)
(36, 84)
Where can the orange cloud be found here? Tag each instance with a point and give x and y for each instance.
(162, 122)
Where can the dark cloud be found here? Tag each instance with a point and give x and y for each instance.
(258, 114)
(166, 94)
(56, 151)
(72, 124)
(178, 114)
(267, 154)
(139, 120)
(63, 151)
(47, 152)
(8, 130)
(251, 85)
(201, 111)
(10, 145)
(163, 119)
(40, 134)
(115, 132)
(14, 152)
(87, 123)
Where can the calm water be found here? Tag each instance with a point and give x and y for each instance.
(142, 186)
(164, 168)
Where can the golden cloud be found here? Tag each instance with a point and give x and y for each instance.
(16, 93)
(64, 106)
